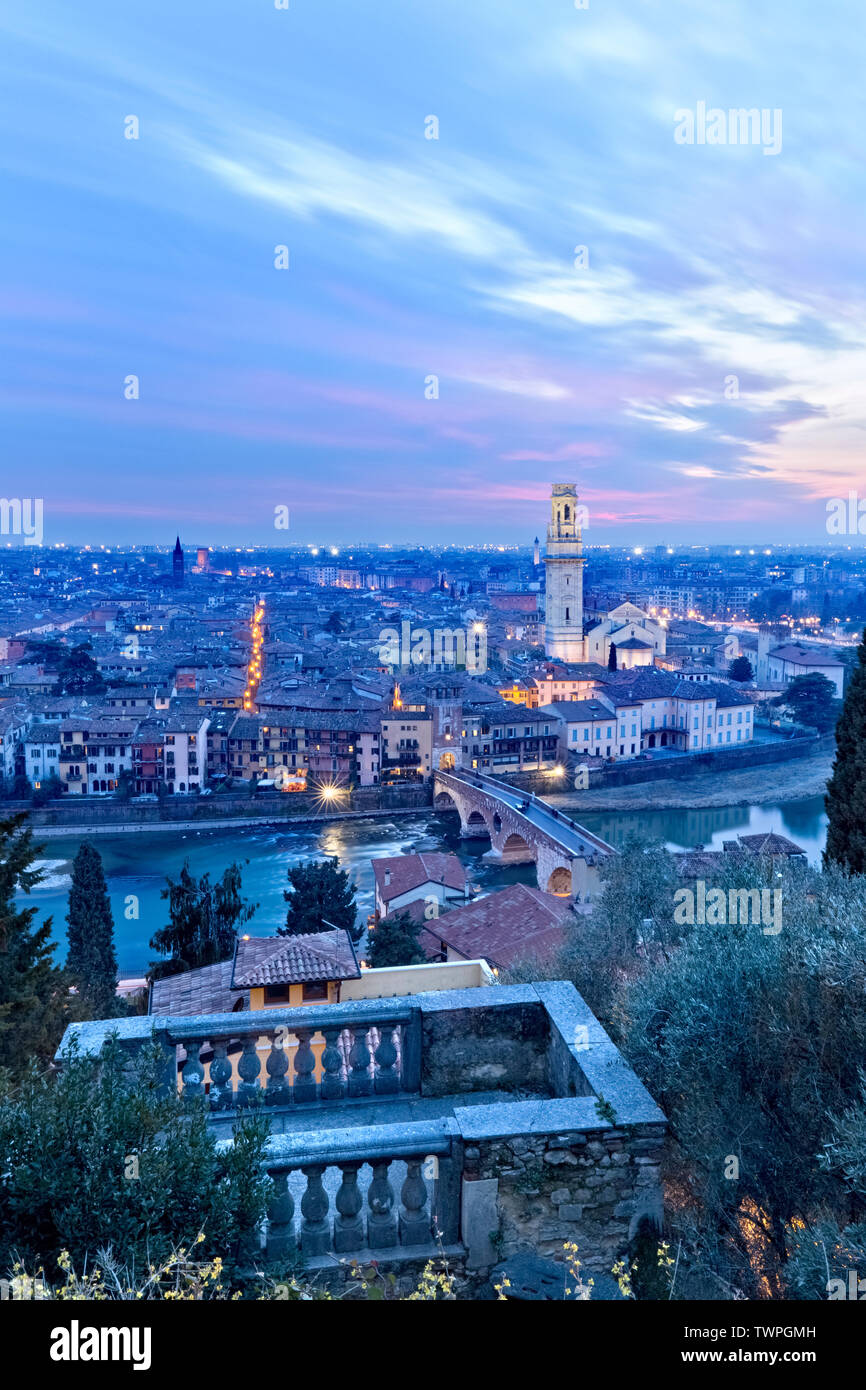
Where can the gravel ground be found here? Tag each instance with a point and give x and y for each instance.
(802, 777)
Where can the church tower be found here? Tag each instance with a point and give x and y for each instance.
(563, 565)
(177, 563)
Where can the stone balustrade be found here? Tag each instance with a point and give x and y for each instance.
(409, 1196)
(280, 1057)
(368, 1058)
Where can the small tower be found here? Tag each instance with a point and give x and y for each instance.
(177, 563)
(536, 554)
(563, 564)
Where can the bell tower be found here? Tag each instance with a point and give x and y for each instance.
(563, 565)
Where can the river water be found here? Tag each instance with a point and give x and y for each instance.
(136, 865)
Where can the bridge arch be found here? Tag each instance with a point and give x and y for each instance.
(559, 882)
(476, 825)
(444, 801)
(517, 849)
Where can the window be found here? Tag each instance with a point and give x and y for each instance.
(276, 994)
(315, 991)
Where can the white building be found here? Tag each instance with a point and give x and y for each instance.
(638, 638)
(186, 751)
(42, 753)
(788, 661)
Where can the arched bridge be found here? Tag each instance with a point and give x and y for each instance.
(524, 829)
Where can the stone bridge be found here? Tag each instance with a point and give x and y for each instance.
(523, 829)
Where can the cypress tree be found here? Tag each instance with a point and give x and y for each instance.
(91, 962)
(611, 658)
(33, 995)
(846, 790)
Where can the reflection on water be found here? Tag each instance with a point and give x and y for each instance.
(136, 865)
(804, 821)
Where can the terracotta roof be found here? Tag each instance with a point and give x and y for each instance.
(408, 871)
(501, 927)
(207, 990)
(283, 960)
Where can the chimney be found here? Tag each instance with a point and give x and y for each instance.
(387, 877)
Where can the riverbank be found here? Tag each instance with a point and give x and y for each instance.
(758, 786)
(156, 827)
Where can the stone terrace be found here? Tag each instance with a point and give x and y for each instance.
(486, 1122)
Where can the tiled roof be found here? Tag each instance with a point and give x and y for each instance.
(282, 960)
(770, 843)
(408, 871)
(804, 656)
(502, 927)
(207, 990)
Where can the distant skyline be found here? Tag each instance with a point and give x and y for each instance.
(698, 373)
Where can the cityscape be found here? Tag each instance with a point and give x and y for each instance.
(432, 674)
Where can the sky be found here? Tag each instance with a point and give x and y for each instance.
(440, 349)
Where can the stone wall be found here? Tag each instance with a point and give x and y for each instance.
(266, 807)
(590, 1187)
(500, 1047)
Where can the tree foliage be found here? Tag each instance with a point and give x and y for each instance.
(749, 1041)
(34, 997)
(810, 700)
(91, 962)
(78, 673)
(740, 669)
(321, 897)
(394, 941)
(96, 1158)
(846, 789)
(204, 919)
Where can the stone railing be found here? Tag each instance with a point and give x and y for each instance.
(283, 1056)
(373, 1054)
(319, 1207)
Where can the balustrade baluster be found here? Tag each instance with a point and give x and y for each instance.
(193, 1072)
(381, 1221)
(360, 1080)
(414, 1219)
(278, 1091)
(281, 1211)
(305, 1087)
(349, 1224)
(315, 1235)
(249, 1067)
(387, 1079)
(221, 1093)
(333, 1087)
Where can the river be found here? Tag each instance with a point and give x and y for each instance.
(136, 865)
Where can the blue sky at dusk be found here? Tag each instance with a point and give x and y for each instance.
(412, 257)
